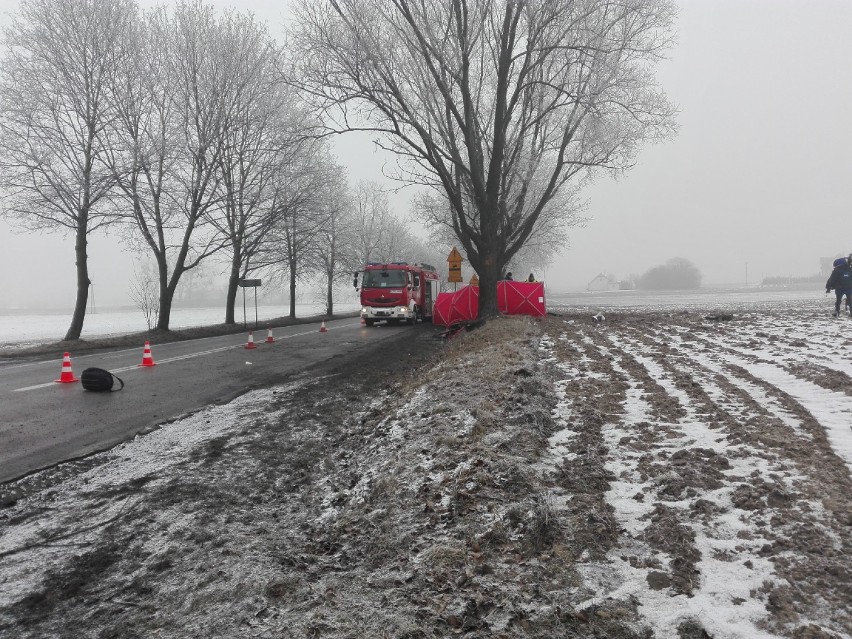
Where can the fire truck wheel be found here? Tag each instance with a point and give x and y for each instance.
(369, 322)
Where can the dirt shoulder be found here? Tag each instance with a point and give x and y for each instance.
(527, 479)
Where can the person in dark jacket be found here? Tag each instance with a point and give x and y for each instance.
(841, 281)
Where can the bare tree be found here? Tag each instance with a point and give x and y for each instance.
(549, 237)
(182, 92)
(498, 105)
(144, 142)
(296, 205)
(56, 71)
(264, 126)
(204, 63)
(333, 250)
(378, 234)
(369, 219)
(145, 293)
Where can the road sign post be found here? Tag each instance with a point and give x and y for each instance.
(244, 284)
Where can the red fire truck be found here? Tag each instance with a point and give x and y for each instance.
(397, 291)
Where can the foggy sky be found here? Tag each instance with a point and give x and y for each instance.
(757, 182)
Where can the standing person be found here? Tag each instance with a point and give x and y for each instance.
(508, 275)
(848, 305)
(841, 281)
(531, 278)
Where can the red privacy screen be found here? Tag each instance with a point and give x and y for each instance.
(513, 298)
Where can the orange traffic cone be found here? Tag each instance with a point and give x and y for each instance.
(323, 329)
(250, 343)
(269, 338)
(67, 374)
(147, 359)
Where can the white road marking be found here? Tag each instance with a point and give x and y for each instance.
(27, 388)
(177, 358)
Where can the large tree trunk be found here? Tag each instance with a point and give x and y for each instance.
(167, 297)
(490, 267)
(231, 298)
(489, 272)
(329, 298)
(165, 310)
(83, 281)
(292, 288)
(233, 284)
(163, 277)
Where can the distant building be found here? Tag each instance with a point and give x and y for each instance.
(603, 283)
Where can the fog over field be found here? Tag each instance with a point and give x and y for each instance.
(754, 185)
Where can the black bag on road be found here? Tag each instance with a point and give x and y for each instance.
(100, 381)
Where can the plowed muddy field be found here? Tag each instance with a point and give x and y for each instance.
(653, 474)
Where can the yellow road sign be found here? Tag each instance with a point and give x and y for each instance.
(454, 260)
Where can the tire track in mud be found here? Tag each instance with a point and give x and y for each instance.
(799, 379)
(684, 486)
(818, 356)
(655, 555)
(788, 348)
(752, 406)
(800, 514)
(587, 396)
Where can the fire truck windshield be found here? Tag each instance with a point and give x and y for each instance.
(383, 279)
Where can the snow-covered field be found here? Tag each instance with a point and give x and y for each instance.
(704, 299)
(678, 472)
(24, 329)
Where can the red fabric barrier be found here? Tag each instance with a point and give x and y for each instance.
(461, 306)
(521, 298)
(442, 308)
(513, 298)
(465, 305)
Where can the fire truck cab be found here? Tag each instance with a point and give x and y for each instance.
(397, 292)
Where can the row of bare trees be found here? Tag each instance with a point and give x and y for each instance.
(180, 127)
(186, 123)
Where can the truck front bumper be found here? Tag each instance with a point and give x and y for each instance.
(386, 312)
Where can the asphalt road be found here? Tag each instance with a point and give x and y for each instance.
(43, 422)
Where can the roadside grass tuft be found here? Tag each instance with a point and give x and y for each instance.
(542, 527)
